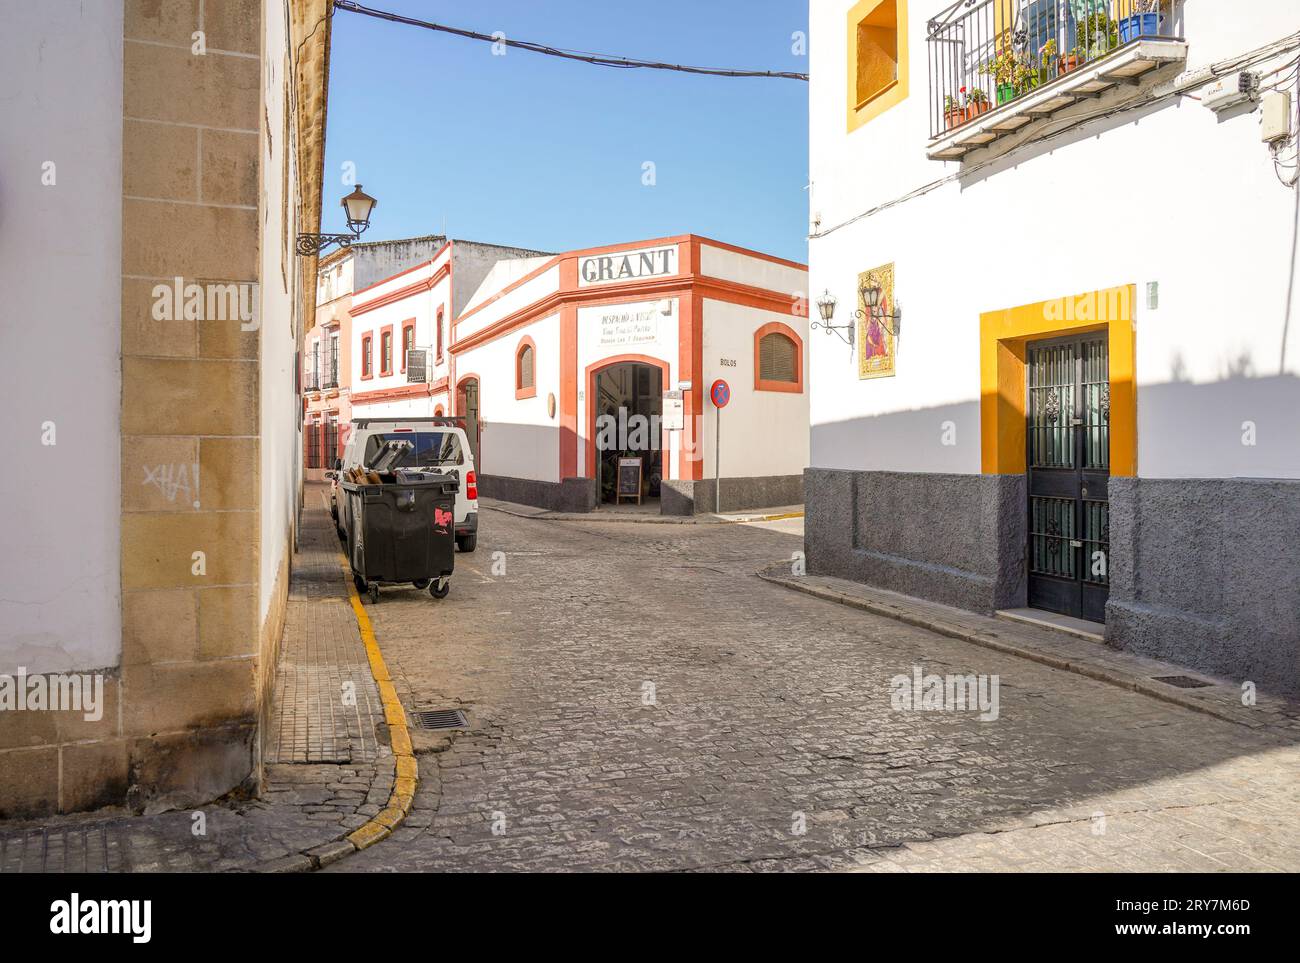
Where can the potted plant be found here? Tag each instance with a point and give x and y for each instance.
(1053, 62)
(1143, 21)
(976, 103)
(1007, 73)
(1096, 34)
(953, 112)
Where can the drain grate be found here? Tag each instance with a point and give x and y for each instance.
(440, 719)
(1181, 681)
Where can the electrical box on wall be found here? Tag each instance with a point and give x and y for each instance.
(1231, 90)
(1275, 117)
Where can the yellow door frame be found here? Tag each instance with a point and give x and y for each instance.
(1003, 336)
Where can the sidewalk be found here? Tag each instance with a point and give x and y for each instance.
(1217, 697)
(328, 767)
(642, 515)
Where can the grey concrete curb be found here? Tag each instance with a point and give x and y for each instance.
(1267, 715)
(628, 519)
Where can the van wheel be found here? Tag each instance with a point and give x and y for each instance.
(467, 543)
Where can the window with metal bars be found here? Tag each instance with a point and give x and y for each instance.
(777, 359)
(313, 438)
(408, 341)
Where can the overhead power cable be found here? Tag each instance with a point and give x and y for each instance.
(600, 60)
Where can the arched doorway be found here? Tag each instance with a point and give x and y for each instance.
(626, 408)
(467, 407)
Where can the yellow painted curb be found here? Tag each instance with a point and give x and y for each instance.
(408, 770)
(369, 834)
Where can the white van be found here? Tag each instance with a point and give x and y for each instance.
(440, 444)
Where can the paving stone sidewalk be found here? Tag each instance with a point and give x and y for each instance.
(1221, 698)
(328, 767)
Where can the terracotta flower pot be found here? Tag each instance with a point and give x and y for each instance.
(977, 108)
(955, 117)
(1067, 63)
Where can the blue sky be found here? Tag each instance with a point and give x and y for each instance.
(546, 153)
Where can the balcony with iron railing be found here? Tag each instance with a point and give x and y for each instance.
(997, 65)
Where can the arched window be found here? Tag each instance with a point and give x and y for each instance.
(526, 369)
(778, 359)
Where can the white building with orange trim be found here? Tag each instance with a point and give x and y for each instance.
(573, 361)
(410, 309)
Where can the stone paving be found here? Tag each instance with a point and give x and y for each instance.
(638, 700)
(322, 660)
(328, 770)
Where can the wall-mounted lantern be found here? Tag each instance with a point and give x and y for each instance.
(356, 208)
(826, 308)
(871, 294)
(893, 321)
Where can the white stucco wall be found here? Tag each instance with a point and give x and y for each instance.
(420, 305)
(60, 335)
(280, 446)
(546, 283)
(758, 272)
(763, 432)
(1169, 194)
(520, 438)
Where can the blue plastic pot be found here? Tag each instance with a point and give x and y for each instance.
(1139, 25)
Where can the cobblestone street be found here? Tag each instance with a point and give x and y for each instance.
(638, 700)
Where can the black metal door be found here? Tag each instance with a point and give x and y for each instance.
(1068, 454)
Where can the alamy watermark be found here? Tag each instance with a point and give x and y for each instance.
(209, 301)
(53, 692)
(945, 693)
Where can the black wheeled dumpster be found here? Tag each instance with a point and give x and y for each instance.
(403, 529)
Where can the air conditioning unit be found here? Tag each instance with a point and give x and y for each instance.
(1231, 90)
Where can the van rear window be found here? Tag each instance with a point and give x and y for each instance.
(432, 449)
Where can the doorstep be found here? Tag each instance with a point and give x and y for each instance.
(1082, 628)
(1050, 646)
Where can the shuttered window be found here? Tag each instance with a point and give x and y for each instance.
(524, 375)
(777, 359)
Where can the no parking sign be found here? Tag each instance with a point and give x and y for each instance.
(719, 394)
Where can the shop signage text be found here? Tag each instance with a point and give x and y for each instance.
(627, 266)
(637, 325)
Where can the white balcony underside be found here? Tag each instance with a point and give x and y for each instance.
(1125, 67)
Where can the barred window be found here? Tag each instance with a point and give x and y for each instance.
(777, 359)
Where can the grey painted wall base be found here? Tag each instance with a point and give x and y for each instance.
(570, 495)
(1206, 573)
(738, 494)
(956, 539)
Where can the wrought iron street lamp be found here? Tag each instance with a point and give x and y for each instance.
(826, 308)
(891, 322)
(356, 208)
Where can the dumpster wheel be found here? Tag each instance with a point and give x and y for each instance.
(422, 583)
(439, 587)
(374, 593)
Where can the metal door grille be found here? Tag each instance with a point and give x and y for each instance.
(1068, 448)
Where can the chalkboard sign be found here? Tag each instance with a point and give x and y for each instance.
(629, 480)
